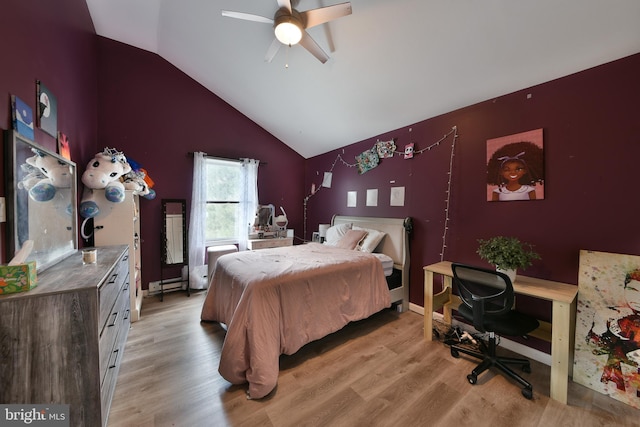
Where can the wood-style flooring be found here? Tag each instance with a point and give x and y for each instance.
(376, 372)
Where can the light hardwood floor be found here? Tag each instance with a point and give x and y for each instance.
(376, 372)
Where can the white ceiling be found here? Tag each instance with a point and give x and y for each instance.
(393, 62)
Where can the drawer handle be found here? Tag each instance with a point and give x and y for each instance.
(115, 358)
(113, 278)
(115, 317)
(126, 314)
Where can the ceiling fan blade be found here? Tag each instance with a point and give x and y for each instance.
(273, 49)
(314, 48)
(284, 4)
(247, 16)
(321, 15)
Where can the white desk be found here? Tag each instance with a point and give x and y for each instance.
(562, 295)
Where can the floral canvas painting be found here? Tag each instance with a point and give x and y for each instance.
(607, 346)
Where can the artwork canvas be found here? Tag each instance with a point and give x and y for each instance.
(386, 149)
(47, 109)
(367, 160)
(22, 117)
(607, 345)
(515, 167)
(63, 146)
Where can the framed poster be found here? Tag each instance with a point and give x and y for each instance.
(47, 109)
(22, 117)
(63, 146)
(607, 346)
(515, 167)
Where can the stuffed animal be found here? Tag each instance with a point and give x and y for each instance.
(103, 172)
(44, 175)
(135, 180)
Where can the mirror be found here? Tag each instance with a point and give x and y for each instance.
(264, 217)
(42, 202)
(174, 242)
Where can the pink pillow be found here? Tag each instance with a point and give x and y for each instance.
(351, 239)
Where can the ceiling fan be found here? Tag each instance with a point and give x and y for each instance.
(290, 26)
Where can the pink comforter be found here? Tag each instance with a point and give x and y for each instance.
(274, 301)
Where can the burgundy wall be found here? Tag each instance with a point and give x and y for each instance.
(54, 42)
(156, 115)
(592, 146)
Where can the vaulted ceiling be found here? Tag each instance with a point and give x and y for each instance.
(392, 62)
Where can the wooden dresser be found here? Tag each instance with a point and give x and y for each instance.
(62, 342)
(276, 242)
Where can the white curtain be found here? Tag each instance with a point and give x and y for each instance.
(249, 200)
(197, 266)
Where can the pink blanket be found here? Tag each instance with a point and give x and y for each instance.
(274, 301)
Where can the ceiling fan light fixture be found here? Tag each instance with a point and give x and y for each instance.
(288, 30)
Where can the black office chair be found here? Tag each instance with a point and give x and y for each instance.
(487, 301)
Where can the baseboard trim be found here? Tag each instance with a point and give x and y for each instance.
(528, 352)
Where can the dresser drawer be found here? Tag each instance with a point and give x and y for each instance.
(117, 320)
(278, 242)
(112, 345)
(110, 289)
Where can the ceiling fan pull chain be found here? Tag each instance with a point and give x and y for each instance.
(286, 65)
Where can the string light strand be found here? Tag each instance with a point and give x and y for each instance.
(454, 130)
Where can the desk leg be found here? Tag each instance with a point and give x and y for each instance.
(446, 307)
(428, 305)
(561, 350)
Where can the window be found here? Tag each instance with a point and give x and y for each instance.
(223, 199)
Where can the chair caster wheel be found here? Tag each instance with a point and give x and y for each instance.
(528, 393)
(526, 369)
(472, 378)
(455, 353)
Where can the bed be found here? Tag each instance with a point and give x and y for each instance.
(274, 301)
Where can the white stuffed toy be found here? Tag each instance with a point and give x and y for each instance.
(45, 174)
(135, 181)
(103, 172)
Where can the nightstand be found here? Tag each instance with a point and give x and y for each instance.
(276, 242)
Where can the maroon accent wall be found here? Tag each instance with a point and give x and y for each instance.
(157, 115)
(54, 42)
(592, 147)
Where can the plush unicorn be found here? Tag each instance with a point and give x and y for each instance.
(103, 172)
(44, 175)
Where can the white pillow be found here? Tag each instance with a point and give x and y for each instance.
(352, 239)
(371, 241)
(335, 233)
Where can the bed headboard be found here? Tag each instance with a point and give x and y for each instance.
(396, 242)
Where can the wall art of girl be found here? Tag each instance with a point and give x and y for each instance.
(515, 171)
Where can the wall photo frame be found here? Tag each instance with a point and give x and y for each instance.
(46, 109)
(515, 167)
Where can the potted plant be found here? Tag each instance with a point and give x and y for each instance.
(507, 254)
